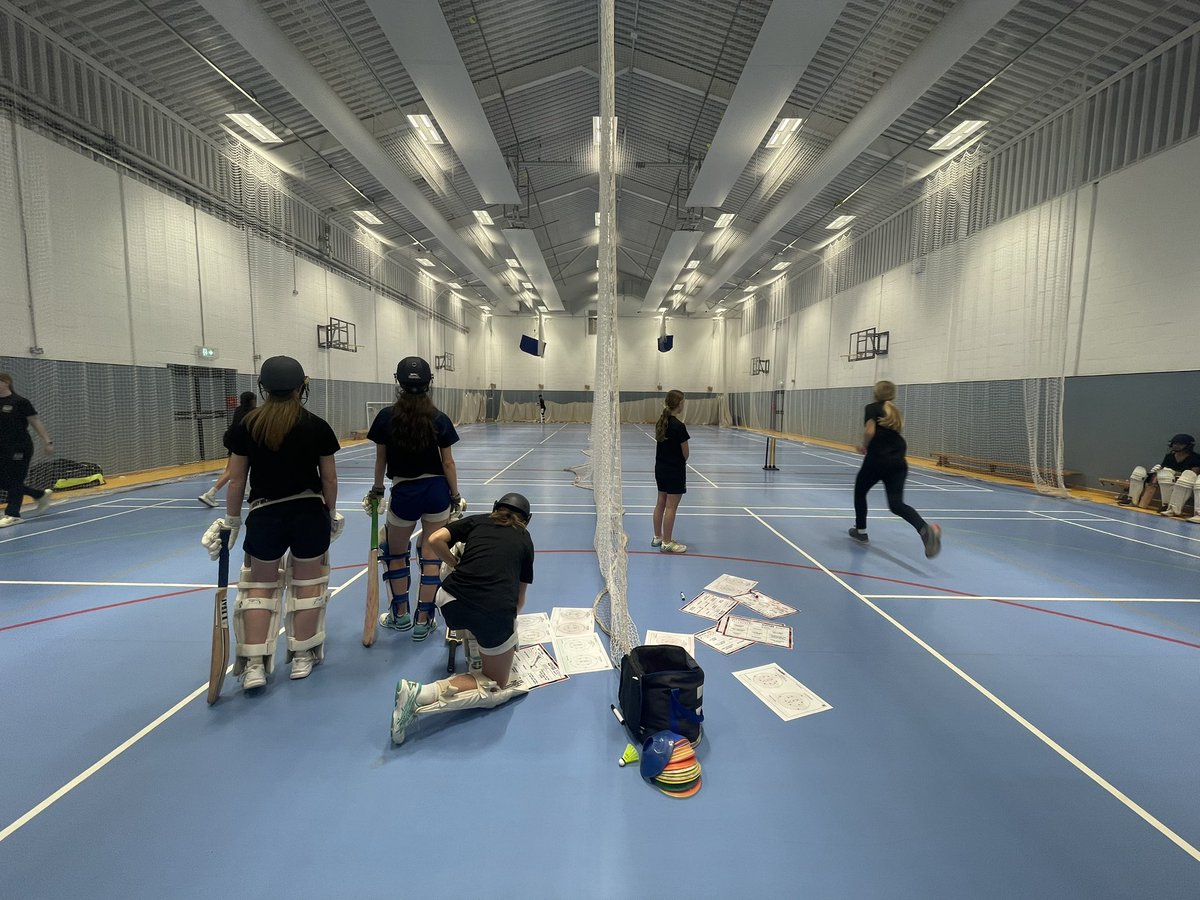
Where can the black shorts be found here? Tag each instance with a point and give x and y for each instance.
(301, 526)
(495, 632)
(670, 479)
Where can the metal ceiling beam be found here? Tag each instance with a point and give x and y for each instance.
(963, 27)
(790, 37)
(418, 32)
(251, 27)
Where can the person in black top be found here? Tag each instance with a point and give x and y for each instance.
(670, 472)
(286, 452)
(247, 403)
(1176, 477)
(16, 449)
(883, 450)
(482, 593)
(541, 408)
(412, 447)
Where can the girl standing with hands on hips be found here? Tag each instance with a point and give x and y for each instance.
(670, 472)
(884, 450)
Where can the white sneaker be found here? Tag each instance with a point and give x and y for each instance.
(1195, 519)
(254, 676)
(672, 547)
(43, 502)
(6, 521)
(407, 693)
(208, 498)
(302, 665)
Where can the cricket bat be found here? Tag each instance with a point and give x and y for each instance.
(371, 621)
(220, 636)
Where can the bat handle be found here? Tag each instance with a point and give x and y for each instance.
(223, 560)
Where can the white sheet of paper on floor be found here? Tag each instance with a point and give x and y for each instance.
(773, 633)
(535, 667)
(720, 642)
(566, 620)
(783, 694)
(686, 641)
(709, 606)
(578, 654)
(764, 605)
(534, 628)
(731, 584)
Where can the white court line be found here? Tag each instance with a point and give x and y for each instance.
(121, 748)
(148, 584)
(26, 534)
(1123, 537)
(1004, 707)
(1036, 599)
(522, 456)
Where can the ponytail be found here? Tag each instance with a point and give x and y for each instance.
(672, 403)
(885, 393)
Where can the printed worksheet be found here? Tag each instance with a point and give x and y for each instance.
(534, 628)
(581, 654)
(566, 620)
(720, 642)
(535, 667)
(772, 633)
(783, 694)
(710, 606)
(731, 585)
(764, 605)
(686, 641)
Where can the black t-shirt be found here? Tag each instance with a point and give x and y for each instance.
(1191, 461)
(238, 414)
(15, 413)
(293, 468)
(887, 442)
(496, 561)
(404, 463)
(669, 451)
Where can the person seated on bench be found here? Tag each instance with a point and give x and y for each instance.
(1176, 476)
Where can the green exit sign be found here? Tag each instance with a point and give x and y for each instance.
(206, 352)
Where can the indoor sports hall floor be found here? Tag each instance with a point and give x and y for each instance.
(1019, 717)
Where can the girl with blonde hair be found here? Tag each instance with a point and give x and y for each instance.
(883, 448)
(670, 472)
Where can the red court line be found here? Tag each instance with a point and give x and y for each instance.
(1052, 612)
(92, 609)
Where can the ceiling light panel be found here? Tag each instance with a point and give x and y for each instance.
(369, 217)
(425, 129)
(783, 132)
(840, 222)
(723, 220)
(958, 134)
(255, 128)
(483, 217)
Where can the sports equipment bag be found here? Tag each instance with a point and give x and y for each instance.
(662, 689)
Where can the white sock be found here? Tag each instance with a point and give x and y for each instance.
(427, 694)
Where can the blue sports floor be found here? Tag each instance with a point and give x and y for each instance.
(1019, 717)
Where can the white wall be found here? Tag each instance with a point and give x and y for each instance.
(125, 274)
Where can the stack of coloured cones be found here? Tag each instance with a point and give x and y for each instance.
(681, 777)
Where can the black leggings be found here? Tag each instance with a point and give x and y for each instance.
(892, 471)
(12, 482)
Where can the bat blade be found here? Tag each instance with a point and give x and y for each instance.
(371, 619)
(220, 637)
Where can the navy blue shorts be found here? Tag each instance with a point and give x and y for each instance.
(413, 500)
(495, 632)
(670, 479)
(301, 526)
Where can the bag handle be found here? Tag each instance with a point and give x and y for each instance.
(679, 711)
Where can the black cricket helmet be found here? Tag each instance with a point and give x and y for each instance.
(281, 375)
(517, 503)
(1186, 439)
(413, 375)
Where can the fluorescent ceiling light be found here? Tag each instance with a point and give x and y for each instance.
(485, 308)
(681, 286)
(483, 217)
(750, 287)
(513, 262)
(840, 222)
(454, 284)
(527, 284)
(425, 129)
(426, 262)
(784, 130)
(597, 220)
(780, 266)
(255, 128)
(723, 220)
(692, 263)
(596, 129)
(958, 134)
(369, 217)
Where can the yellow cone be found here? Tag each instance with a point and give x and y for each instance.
(629, 756)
